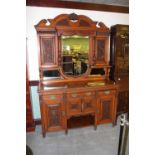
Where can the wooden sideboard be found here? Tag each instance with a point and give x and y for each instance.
(82, 87)
(60, 103)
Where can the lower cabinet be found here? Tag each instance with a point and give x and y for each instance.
(52, 113)
(56, 109)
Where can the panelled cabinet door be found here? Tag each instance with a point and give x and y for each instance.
(48, 53)
(101, 48)
(88, 105)
(107, 109)
(53, 116)
(74, 107)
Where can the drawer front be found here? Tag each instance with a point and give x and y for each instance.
(88, 105)
(74, 107)
(106, 92)
(52, 97)
(89, 94)
(74, 95)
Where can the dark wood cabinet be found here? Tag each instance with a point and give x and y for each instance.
(74, 72)
(119, 60)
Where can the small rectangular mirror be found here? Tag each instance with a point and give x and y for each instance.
(75, 51)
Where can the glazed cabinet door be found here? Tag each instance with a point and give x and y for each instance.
(106, 108)
(101, 48)
(48, 50)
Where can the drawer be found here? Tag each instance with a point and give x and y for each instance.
(106, 92)
(74, 95)
(74, 107)
(89, 94)
(54, 97)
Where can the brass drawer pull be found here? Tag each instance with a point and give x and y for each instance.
(52, 97)
(74, 95)
(88, 94)
(107, 92)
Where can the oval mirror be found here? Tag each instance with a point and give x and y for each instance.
(75, 54)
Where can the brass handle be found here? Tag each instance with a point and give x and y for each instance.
(88, 94)
(74, 95)
(107, 92)
(52, 97)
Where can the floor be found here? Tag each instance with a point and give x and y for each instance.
(79, 141)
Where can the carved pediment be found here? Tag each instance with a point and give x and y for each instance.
(71, 21)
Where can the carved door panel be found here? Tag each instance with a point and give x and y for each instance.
(74, 107)
(101, 50)
(48, 50)
(88, 105)
(53, 116)
(106, 109)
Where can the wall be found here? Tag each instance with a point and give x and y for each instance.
(35, 14)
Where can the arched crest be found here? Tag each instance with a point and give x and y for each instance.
(70, 21)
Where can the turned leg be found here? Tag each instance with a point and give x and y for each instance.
(43, 134)
(66, 131)
(95, 122)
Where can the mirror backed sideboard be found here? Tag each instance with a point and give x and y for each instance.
(74, 72)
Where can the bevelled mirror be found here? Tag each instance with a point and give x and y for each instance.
(75, 50)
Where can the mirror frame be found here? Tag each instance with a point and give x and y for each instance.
(87, 72)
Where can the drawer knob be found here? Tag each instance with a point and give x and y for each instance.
(107, 92)
(88, 94)
(52, 97)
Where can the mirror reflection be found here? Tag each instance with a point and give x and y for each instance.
(75, 54)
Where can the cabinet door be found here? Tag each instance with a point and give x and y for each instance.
(101, 50)
(48, 50)
(88, 102)
(106, 106)
(88, 105)
(53, 116)
(74, 107)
